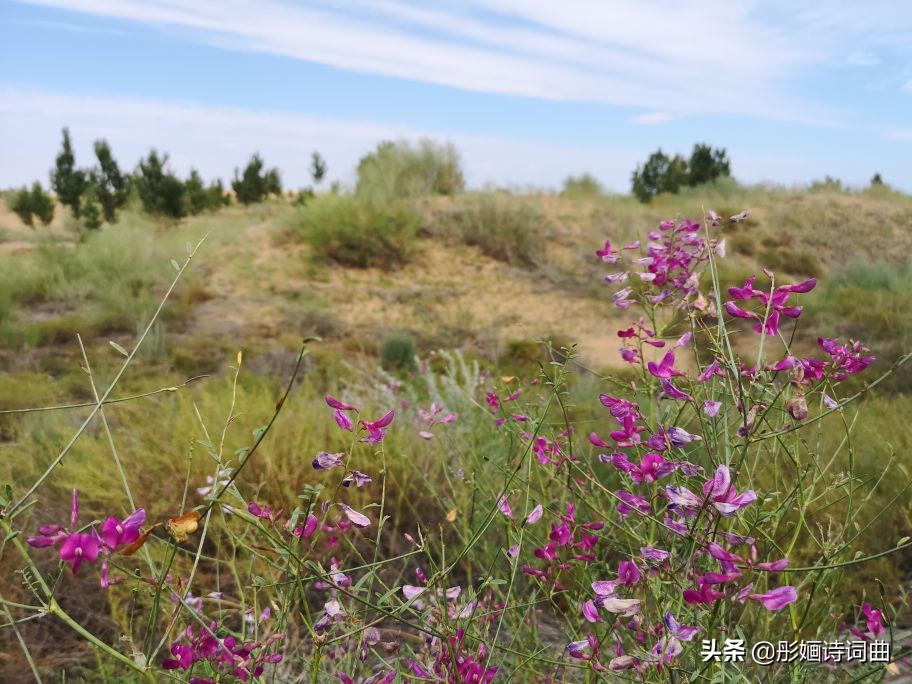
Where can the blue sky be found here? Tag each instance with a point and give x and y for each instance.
(529, 90)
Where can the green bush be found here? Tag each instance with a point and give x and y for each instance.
(585, 185)
(352, 232)
(397, 170)
(397, 351)
(502, 227)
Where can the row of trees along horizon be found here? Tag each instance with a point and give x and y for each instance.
(95, 195)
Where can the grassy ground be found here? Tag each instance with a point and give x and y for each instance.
(486, 274)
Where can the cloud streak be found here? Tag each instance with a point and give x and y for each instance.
(215, 140)
(723, 57)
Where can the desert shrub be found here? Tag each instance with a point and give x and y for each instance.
(397, 351)
(585, 185)
(502, 227)
(398, 170)
(353, 232)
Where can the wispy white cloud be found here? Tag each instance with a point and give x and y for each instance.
(72, 27)
(907, 85)
(215, 140)
(737, 56)
(651, 118)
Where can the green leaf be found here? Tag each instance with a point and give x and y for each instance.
(902, 541)
(175, 265)
(384, 599)
(118, 347)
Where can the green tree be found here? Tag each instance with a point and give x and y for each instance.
(707, 163)
(111, 186)
(42, 204)
(31, 204)
(196, 197)
(217, 195)
(273, 182)
(22, 206)
(877, 180)
(255, 184)
(676, 175)
(66, 180)
(199, 198)
(92, 215)
(160, 191)
(318, 167)
(649, 180)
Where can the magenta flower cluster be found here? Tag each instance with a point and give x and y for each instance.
(85, 546)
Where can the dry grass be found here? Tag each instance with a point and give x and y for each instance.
(261, 293)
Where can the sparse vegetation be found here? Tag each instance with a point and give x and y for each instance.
(477, 451)
(585, 185)
(399, 170)
(503, 227)
(352, 232)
